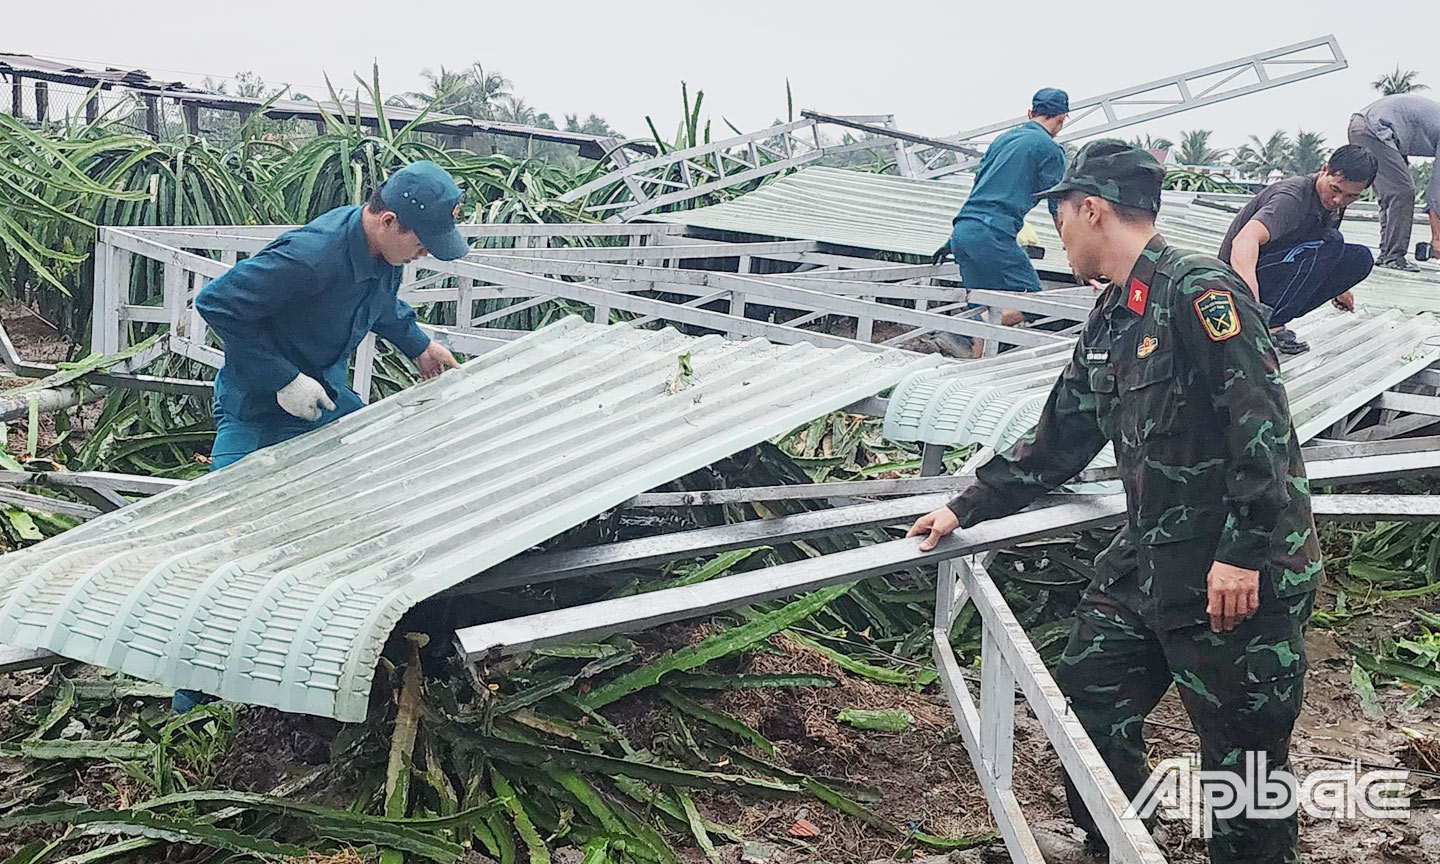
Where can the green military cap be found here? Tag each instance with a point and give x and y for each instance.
(1118, 172)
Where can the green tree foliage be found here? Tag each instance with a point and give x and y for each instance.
(1392, 83)
(1307, 153)
(1195, 149)
(1261, 159)
(471, 92)
(1150, 142)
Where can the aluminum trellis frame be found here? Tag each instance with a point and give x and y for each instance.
(1163, 97)
(522, 271)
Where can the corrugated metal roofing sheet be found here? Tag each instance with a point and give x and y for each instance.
(833, 205)
(899, 214)
(994, 402)
(276, 581)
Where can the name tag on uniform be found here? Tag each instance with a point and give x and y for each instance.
(1097, 355)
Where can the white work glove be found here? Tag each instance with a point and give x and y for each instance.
(303, 398)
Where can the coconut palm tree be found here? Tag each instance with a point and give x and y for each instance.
(491, 87)
(1195, 149)
(472, 92)
(1398, 82)
(593, 125)
(1260, 159)
(514, 109)
(1150, 142)
(1307, 153)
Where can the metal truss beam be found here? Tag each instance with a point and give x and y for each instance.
(1098, 115)
(653, 183)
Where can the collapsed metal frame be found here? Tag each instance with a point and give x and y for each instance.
(833, 288)
(833, 283)
(1008, 660)
(650, 184)
(648, 261)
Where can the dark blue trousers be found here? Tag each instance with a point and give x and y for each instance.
(1297, 280)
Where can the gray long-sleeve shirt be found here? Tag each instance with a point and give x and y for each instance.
(1412, 125)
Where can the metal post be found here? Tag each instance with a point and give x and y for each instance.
(175, 279)
(112, 290)
(465, 305)
(152, 116)
(737, 298)
(99, 303)
(42, 101)
(865, 327)
(997, 711)
(192, 117)
(932, 460)
(996, 315)
(17, 96)
(364, 367)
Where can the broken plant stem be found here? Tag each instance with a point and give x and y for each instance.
(402, 742)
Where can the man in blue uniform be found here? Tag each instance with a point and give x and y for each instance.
(292, 315)
(1019, 164)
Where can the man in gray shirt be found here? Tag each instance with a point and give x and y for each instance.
(1286, 243)
(1394, 128)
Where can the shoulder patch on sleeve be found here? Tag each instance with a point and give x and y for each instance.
(1218, 315)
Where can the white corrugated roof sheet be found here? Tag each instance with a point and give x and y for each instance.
(277, 580)
(1353, 359)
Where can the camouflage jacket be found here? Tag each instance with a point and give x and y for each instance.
(1176, 368)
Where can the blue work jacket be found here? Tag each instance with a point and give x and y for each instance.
(1017, 165)
(303, 304)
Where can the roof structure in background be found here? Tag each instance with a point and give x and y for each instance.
(139, 81)
(836, 205)
(913, 217)
(279, 585)
(1353, 359)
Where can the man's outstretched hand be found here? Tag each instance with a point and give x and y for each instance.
(940, 255)
(436, 358)
(935, 524)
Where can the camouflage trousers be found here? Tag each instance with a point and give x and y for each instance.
(1242, 690)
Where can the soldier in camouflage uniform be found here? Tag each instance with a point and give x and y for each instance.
(1209, 584)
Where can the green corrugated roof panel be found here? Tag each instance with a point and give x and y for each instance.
(277, 580)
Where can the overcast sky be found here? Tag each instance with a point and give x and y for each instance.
(938, 67)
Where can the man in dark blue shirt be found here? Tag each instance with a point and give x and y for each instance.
(292, 315)
(1017, 165)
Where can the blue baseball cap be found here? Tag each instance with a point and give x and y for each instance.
(1050, 102)
(427, 201)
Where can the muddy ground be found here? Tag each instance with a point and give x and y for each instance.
(37, 341)
(925, 775)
